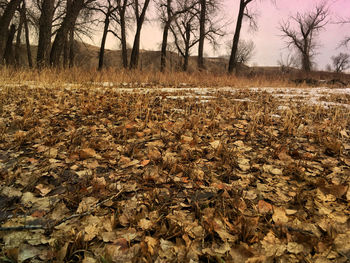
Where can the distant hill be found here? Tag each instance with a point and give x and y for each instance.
(86, 56)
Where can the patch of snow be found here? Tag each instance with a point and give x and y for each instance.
(283, 107)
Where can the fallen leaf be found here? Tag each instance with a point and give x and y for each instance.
(145, 162)
(215, 144)
(145, 224)
(86, 204)
(279, 215)
(151, 244)
(264, 207)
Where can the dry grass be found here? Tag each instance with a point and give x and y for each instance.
(78, 75)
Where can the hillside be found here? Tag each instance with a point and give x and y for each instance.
(86, 57)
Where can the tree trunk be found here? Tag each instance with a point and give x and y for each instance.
(65, 52)
(187, 47)
(124, 45)
(45, 28)
(165, 36)
(5, 21)
(233, 62)
(122, 10)
(73, 10)
(134, 59)
(26, 31)
(306, 64)
(164, 46)
(18, 40)
(103, 43)
(185, 65)
(71, 48)
(136, 46)
(200, 61)
(8, 55)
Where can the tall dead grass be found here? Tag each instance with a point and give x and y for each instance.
(78, 75)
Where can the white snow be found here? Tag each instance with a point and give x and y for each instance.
(321, 96)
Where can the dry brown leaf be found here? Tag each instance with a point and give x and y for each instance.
(145, 224)
(215, 144)
(151, 244)
(144, 162)
(88, 153)
(273, 246)
(44, 190)
(336, 190)
(264, 207)
(279, 216)
(87, 204)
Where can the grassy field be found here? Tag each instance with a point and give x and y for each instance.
(148, 167)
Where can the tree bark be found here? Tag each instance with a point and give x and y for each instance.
(233, 62)
(65, 52)
(45, 28)
(306, 64)
(165, 37)
(136, 46)
(26, 31)
(71, 48)
(122, 10)
(103, 43)
(8, 54)
(134, 59)
(5, 21)
(18, 40)
(200, 59)
(164, 46)
(73, 9)
(187, 47)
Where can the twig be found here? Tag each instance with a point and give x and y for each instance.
(90, 211)
(21, 228)
(34, 227)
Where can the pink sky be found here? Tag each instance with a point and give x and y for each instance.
(269, 45)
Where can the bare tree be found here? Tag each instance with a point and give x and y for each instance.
(23, 22)
(26, 31)
(108, 9)
(72, 12)
(202, 24)
(45, 31)
(140, 14)
(341, 62)
(301, 35)
(344, 21)
(8, 54)
(208, 11)
(18, 38)
(245, 50)
(168, 12)
(122, 6)
(185, 35)
(243, 12)
(5, 21)
(288, 62)
(115, 22)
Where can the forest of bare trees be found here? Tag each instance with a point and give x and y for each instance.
(54, 25)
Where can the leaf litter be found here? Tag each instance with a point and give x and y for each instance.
(98, 174)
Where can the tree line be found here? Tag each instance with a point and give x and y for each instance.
(189, 23)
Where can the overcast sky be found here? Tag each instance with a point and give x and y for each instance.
(269, 44)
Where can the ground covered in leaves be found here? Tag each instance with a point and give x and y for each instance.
(108, 173)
